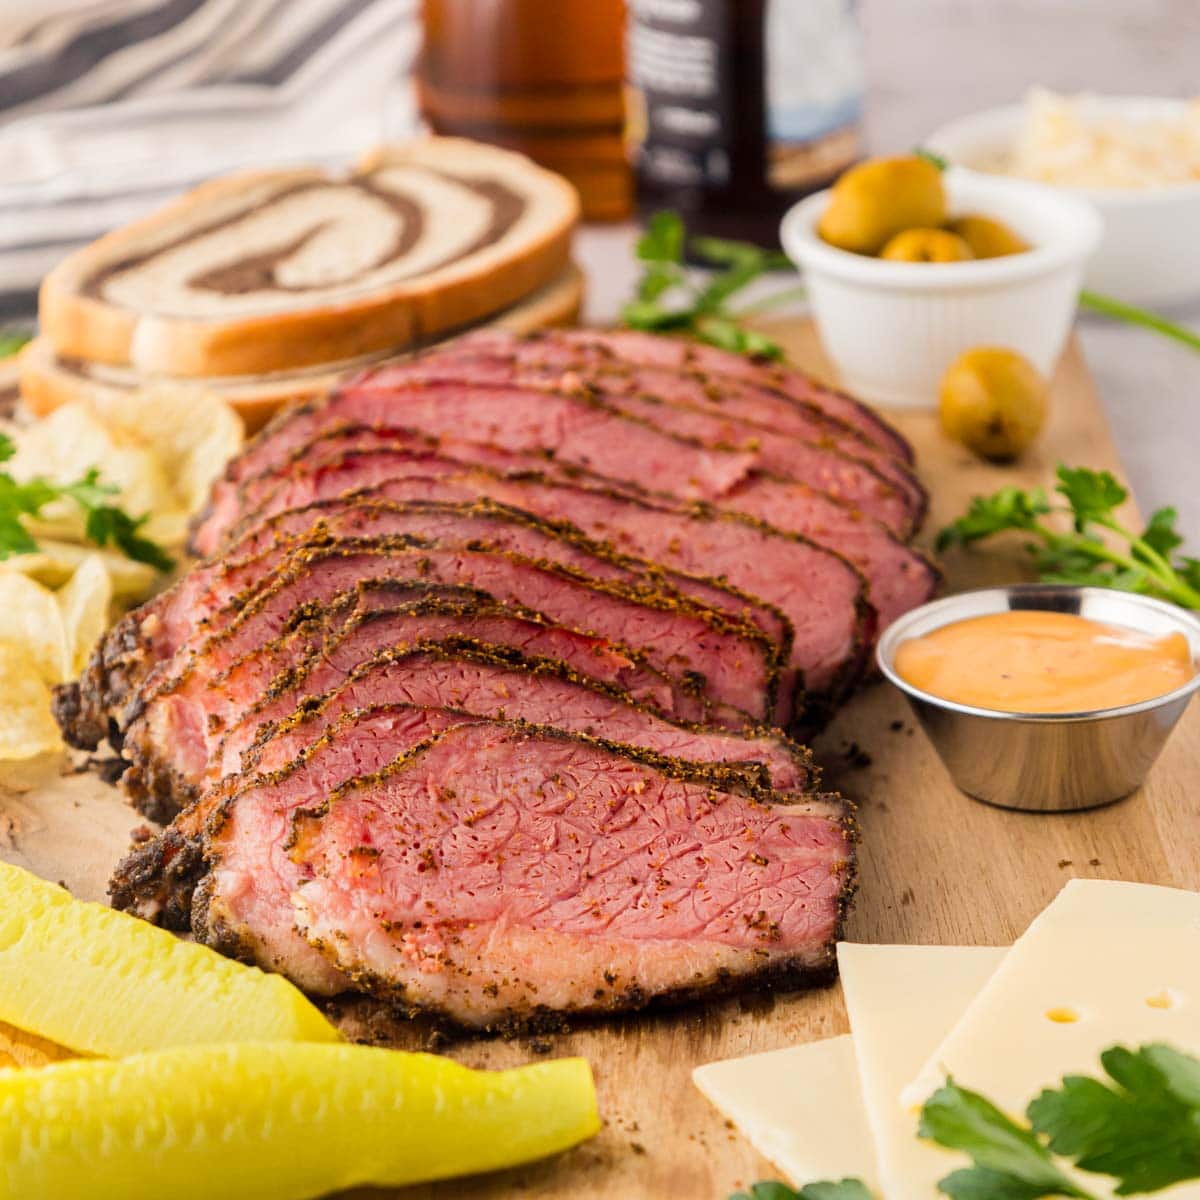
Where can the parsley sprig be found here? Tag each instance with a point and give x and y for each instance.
(1097, 549)
(105, 524)
(1107, 306)
(672, 299)
(1010, 1162)
(1139, 1127)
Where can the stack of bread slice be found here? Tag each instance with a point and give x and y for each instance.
(265, 286)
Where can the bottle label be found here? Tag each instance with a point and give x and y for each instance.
(680, 120)
(814, 83)
(683, 111)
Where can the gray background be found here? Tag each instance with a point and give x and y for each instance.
(931, 60)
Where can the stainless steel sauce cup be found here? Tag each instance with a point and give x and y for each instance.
(1046, 762)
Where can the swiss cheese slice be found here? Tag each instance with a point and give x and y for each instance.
(803, 1107)
(1106, 963)
(902, 1001)
(800, 1107)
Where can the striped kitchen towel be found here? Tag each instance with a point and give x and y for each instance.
(110, 107)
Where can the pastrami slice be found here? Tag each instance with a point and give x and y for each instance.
(516, 870)
(683, 354)
(648, 526)
(485, 680)
(729, 667)
(792, 438)
(215, 703)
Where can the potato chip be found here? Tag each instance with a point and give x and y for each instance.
(31, 620)
(55, 562)
(27, 727)
(25, 1050)
(84, 603)
(194, 434)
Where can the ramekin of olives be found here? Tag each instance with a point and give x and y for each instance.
(909, 266)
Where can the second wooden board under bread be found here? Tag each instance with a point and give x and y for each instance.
(48, 381)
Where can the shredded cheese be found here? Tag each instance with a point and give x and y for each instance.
(1063, 143)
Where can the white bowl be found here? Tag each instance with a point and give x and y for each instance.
(892, 328)
(1150, 252)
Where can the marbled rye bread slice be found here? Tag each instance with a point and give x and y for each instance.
(275, 270)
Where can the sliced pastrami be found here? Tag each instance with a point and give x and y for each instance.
(430, 882)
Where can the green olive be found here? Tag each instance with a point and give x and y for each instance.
(993, 400)
(927, 245)
(987, 237)
(880, 198)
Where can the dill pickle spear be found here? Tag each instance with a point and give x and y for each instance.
(102, 982)
(287, 1121)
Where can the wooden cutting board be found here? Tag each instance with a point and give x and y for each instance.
(935, 867)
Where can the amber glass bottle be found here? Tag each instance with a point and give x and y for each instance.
(738, 107)
(541, 76)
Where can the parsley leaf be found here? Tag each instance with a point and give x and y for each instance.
(847, 1189)
(1143, 1131)
(1009, 508)
(1140, 1127)
(1092, 495)
(1160, 533)
(770, 1190)
(1189, 571)
(88, 491)
(663, 238)
(1010, 1161)
(661, 247)
(105, 523)
(726, 252)
(14, 537)
(1098, 550)
(108, 524)
(668, 299)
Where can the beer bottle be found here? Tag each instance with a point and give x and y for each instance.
(739, 107)
(541, 76)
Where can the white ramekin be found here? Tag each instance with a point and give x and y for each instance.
(892, 328)
(1150, 252)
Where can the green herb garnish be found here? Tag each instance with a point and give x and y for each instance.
(1139, 1127)
(11, 341)
(1097, 550)
(106, 524)
(671, 299)
(848, 1189)
(1010, 1161)
(1132, 315)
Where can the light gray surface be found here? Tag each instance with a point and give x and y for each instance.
(931, 60)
